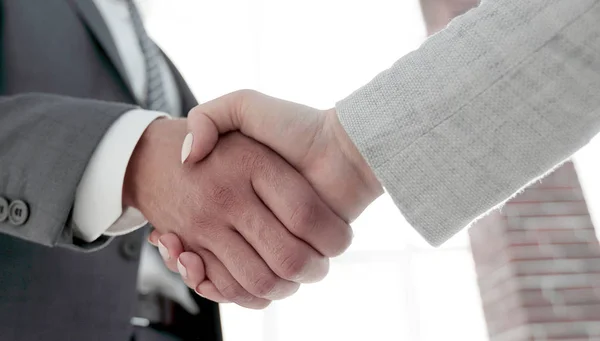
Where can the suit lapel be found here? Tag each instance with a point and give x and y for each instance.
(95, 23)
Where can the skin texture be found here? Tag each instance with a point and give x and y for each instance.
(252, 226)
(312, 141)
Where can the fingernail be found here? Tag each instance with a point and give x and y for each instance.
(163, 251)
(182, 270)
(186, 149)
(151, 241)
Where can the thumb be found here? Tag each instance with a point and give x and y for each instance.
(205, 123)
(201, 138)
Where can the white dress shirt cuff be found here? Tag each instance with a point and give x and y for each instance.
(98, 206)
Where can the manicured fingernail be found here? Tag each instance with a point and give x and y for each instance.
(151, 241)
(182, 270)
(163, 251)
(186, 149)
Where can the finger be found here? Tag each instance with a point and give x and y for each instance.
(226, 285)
(201, 139)
(191, 269)
(153, 237)
(294, 202)
(208, 290)
(289, 257)
(268, 120)
(170, 247)
(215, 117)
(248, 268)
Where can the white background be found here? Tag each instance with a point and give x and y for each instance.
(390, 285)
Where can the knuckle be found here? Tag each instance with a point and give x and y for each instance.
(337, 248)
(262, 305)
(195, 111)
(257, 304)
(294, 266)
(305, 219)
(265, 286)
(343, 242)
(235, 293)
(325, 271)
(346, 241)
(243, 94)
(242, 99)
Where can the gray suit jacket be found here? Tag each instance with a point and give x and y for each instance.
(61, 87)
(506, 93)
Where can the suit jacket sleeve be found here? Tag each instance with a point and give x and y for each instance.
(46, 142)
(499, 98)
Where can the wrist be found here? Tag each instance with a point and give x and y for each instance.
(158, 146)
(132, 174)
(351, 152)
(129, 196)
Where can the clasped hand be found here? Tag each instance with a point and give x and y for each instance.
(261, 199)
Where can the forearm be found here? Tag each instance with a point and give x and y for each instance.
(46, 142)
(499, 98)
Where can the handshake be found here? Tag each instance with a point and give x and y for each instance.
(260, 200)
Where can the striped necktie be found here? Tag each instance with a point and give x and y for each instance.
(155, 91)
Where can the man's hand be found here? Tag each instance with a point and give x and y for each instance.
(256, 223)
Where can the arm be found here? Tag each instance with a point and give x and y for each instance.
(498, 99)
(483, 108)
(46, 142)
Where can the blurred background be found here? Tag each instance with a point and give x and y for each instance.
(535, 279)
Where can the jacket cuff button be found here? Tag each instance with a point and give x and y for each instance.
(3, 209)
(18, 212)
